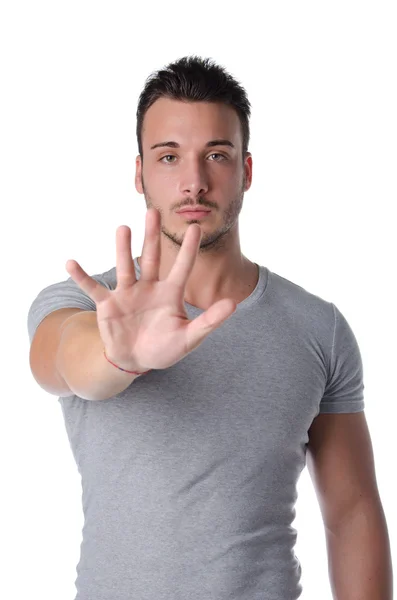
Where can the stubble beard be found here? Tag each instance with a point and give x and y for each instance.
(210, 241)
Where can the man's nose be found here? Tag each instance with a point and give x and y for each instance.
(194, 179)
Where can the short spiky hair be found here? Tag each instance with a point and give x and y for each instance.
(195, 79)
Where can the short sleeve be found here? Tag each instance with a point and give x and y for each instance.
(63, 294)
(344, 391)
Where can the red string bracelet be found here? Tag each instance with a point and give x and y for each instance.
(125, 370)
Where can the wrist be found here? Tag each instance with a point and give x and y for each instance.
(137, 372)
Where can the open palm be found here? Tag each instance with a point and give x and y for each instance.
(143, 324)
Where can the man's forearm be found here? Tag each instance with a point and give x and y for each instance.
(359, 558)
(81, 363)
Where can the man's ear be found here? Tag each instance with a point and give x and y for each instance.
(138, 174)
(248, 171)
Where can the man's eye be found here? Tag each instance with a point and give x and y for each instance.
(166, 156)
(172, 156)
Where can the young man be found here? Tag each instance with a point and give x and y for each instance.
(195, 384)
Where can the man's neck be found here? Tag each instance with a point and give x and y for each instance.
(213, 279)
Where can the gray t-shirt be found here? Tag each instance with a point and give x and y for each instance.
(189, 477)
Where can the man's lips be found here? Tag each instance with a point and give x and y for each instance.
(188, 209)
(196, 209)
(194, 214)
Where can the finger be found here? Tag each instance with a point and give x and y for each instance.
(198, 329)
(96, 291)
(125, 268)
(150, 259)
(186, 258)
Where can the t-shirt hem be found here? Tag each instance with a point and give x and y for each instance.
(351, 406)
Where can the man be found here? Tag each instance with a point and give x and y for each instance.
(195, 384)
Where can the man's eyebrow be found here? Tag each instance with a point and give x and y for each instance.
(208, 144)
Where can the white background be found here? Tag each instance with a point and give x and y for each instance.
(321, 78)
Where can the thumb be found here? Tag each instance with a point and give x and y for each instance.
(204, 324)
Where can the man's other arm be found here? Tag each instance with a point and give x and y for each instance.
(341, 465)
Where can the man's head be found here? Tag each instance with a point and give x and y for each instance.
(204, 113)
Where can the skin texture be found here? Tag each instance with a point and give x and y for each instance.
(215, 177)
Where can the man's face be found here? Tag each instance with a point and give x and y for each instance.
(192, 174)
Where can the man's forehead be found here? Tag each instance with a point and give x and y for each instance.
(166, 118)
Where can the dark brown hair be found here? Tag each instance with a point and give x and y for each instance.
(195, 79)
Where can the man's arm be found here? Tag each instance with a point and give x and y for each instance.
(81, 363)
(340, 462)
(66, 357)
